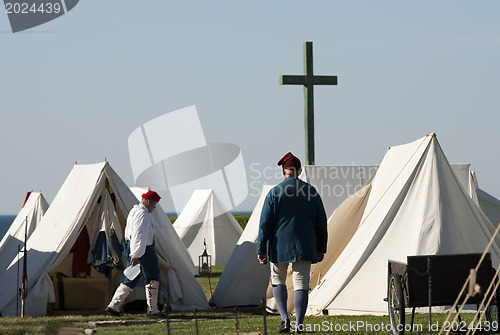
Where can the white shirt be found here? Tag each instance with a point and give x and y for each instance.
(139, 230)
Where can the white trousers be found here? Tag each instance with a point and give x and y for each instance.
(300, 269)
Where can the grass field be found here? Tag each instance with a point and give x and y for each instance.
(229, 321)
(220, 323)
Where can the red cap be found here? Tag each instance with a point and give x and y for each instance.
(151, 195)
(289, 161)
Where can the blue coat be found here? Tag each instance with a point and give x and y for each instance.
(292, 223)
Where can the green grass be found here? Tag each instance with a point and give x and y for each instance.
(30, 325)
(208, 281)
(45, 324)
(242, 219)
(221, 323)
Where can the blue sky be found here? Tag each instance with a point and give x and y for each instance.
(75, 88)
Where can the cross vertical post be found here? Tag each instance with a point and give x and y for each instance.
(308, 80)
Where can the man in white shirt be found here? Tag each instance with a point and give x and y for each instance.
(140, 249)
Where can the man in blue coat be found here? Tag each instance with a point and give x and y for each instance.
(292, 231)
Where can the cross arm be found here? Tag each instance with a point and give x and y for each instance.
(292, 80)
(325, 80)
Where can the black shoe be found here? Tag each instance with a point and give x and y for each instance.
(112, 312)
(285, 326)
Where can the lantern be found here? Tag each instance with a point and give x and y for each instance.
(205, 260)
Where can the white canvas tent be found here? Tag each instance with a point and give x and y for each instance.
(173, 242)
(92, 196)
(244, 281)
(416, 206)
(205, 218)
(26, 220)
(335, 182)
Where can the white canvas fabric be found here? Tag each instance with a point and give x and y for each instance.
(26, 221)
(335, 183)
(81, 198)
(205, 218)
(244, 281)
(488, 203)
(416, 206)
(490, 206)
(173, 241)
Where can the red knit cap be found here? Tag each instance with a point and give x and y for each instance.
(151, 195)
(289, 161)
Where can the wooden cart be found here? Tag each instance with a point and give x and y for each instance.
(435, 280)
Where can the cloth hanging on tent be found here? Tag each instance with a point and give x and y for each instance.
(102, 254)
(80, 252)
(106, 239)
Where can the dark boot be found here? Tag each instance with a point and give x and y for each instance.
(285, 326)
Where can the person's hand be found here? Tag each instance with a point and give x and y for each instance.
(262, 259)
(134, 261)
(320, 256)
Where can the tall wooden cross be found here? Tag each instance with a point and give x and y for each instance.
(308, 80)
